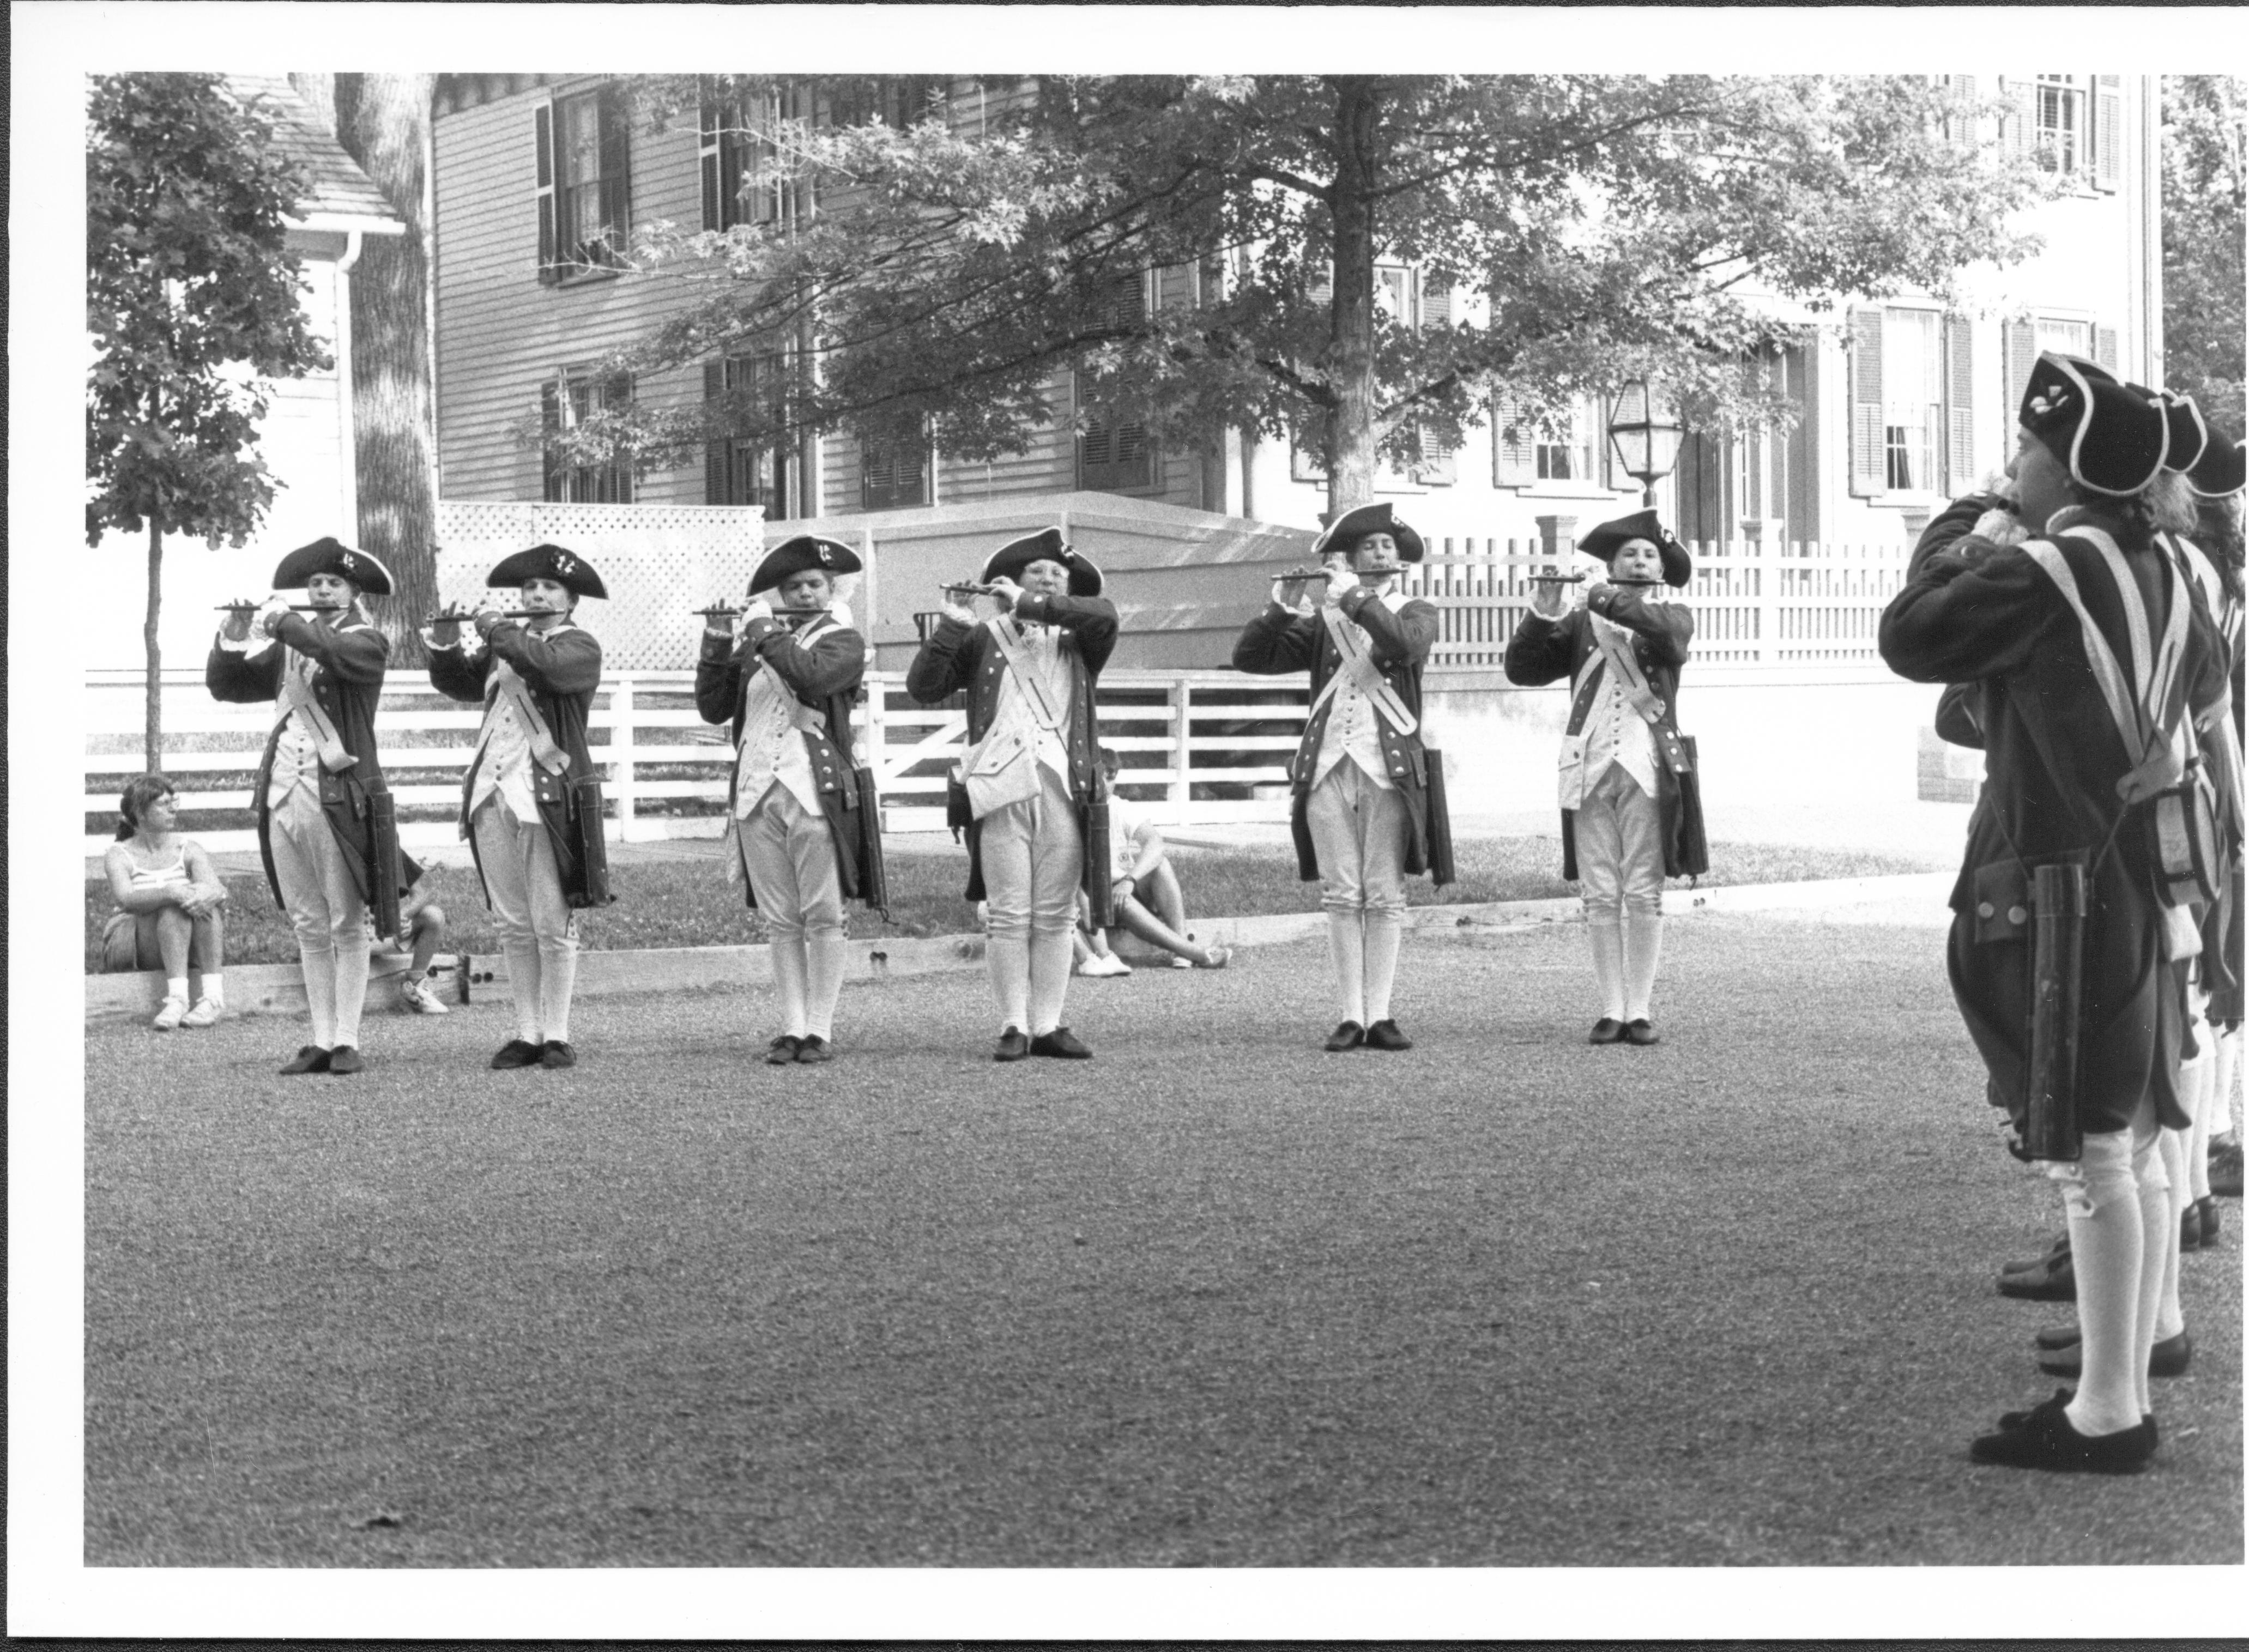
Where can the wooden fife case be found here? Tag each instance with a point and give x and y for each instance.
(2057, 903)
(382, 894)
(587, 807)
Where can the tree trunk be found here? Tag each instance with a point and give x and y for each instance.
(1351, 315)
(152, 728)
(380, 122)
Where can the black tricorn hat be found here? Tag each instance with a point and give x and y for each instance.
(794, 555)
(1341, 535)
(1045, 546)
(2111, 436)
(363, 568)
(2220, 471)
(566, 568)
(1606, 541)
(2187, 435)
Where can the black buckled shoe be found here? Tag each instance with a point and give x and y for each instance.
(2054, 1281)
(516, 1053)
(1349, 1036)
(2043, 1439)
(2225, 1169)
(2167, 1359)
(2054, 1253)
(2207, 1207)
(2054, 1337)
(1062, 1042)
(815, 1049)
(1013, 1045)
(1384, 1035)
(308, 1058)
(1641, 1032)
(557, 1052)
(782, 1052)
(346, 1059)
(1607, 1030)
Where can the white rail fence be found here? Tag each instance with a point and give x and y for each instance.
(1198, 747)
(1755, 604)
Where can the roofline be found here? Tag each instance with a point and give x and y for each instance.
(344, 223)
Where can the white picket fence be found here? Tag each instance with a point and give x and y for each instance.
(1754, 603)
(1197, 746)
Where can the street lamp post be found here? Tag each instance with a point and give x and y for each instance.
(1646, 436)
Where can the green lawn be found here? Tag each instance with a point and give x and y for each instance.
(1211, 1299)
(688, 902)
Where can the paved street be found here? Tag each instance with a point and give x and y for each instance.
(1213, 1299)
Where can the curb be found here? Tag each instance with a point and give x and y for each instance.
(265, 989)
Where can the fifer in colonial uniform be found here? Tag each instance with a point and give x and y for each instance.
(1366, 808)
(325, 826)
(531, 803)
(1031, 790)
(1631, 812)
(803, 818)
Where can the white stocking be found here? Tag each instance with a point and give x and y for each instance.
(790, 979)
(2109, 1242)
(1049, 978)
(1348, 952)
(351, 987)
(825, 953)
(2171, 1319)
(1384, 929)
(2159, 1239)
(1643, 945)
(1608, 964)
(1009, 960)
(523, 985)
(557, 975)
(319, 969)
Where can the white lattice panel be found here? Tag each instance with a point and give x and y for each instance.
(660, 563)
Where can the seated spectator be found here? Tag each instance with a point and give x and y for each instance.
(422, 927)
(169, 896)
(1147, 889)
(1090, 946)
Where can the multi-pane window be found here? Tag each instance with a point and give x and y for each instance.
(1564, 451)
(1913, 398)
(748, 470)
(564, 405)
(2061, 128)
(582, 145)
(893, 475)
(2068, 338)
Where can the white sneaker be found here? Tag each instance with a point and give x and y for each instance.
(421, 999)
(1178, 962)
(174, 1012)
(1111, 964)
(205, 1014)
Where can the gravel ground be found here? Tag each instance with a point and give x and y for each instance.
(1213, 1299)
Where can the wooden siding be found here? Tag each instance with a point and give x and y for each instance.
(501, 333)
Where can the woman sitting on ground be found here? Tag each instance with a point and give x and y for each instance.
(169, 896)
(1145, 889)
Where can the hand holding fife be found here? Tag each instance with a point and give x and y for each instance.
(759, 608)
(445, 629)
(236, 626)
(488, 617)
(1282, 592)
(1549, 600)
(1006, 593)
(269, 615)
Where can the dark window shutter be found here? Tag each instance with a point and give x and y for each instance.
(550, 420)
(2107, 132)
(762, 162)
(542, 138)
(1113, 455)
(1514, 445)
(1868, 475)
(2104, 347)
(715, 488)
(616, 173)
(707, 161)
(2019, 120)
(1305, 464)
(1959, 403)
(1439, 466)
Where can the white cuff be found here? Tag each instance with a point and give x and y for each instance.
(252, 643)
